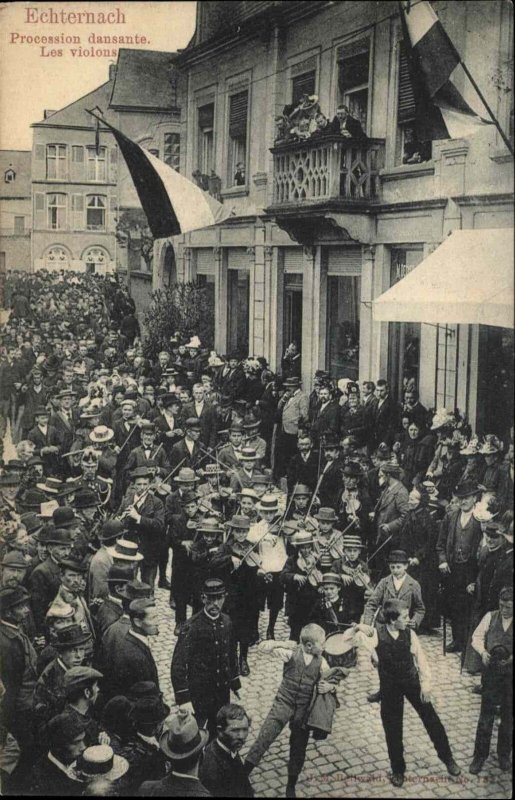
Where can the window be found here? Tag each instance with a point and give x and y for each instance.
(96, 164)
(206, 138)
(56, 161)
(409, 150)
(237, 156)
(302, 84)
(343, 310)
(353, 69)
(446, 366)
(9, 176)
(95, 260)
(56, 208)
(19, 225)
(403, 337)
(96, 213)
(172, 150)
(56, 258)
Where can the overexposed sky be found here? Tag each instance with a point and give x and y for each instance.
(31, 80)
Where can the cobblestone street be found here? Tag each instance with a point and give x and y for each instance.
(353, 761)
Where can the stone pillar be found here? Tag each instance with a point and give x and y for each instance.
(220, 300)
(273, 294)
(366, 322)
(257, 347)
(379, 330)
(251, 253)
(313, 316)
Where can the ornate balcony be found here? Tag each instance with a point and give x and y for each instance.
(328, 168)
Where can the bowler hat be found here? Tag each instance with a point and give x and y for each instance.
(397, 557)
(213, 587)
(149, 710)
(192, 422)
(58, 536)
(14, 465)
(74, 564)
(142, 690)
(183, 739)
(301, 490)
(330, 443)
(169, 398)
(9, 479)
(111, 529)
(11, 596)
(79, 677)
(466, 488)
(72, 636)
(135, 590)
(142, 472)
(147, 426)
(64, 517)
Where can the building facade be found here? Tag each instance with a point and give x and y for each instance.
(322, 228)
(15, 210)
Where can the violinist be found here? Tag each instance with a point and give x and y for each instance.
(354, 503)
(182, 530)
(144, 515)
(272, 551)
(202, 552)
(141, 455)
(355, 577)
(241, 565)
(327, 538)
(247, 504)
(299, 508)
(300, 577)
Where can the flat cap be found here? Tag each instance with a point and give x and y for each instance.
(77, 677)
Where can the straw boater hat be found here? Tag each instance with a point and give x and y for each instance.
(211, 470)
(248, 454)
(268, 502)
(125, 550)
(101, 434)
(352, 541)
(491, 445)
(210, 525)
(301, 538)
(99, 761)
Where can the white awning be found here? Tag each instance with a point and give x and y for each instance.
(467, 280)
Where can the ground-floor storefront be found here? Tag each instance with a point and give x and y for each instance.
(267, 291)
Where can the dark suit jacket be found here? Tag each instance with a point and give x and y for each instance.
(65, 431)
(391, 508)
(181, 453)
(173, 786)
(208, 422)
(447, 537)
(223, 775)
(47, 779)
(231, 384)
(51, 462)
(325, 421)
(43, 584)
(163, 428)
(354, 423)
(386, 419)
(410, 595)
(137, 458)
(108, 613)
(300, 471)
(126, 664)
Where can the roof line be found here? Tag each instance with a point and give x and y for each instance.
(58, 110)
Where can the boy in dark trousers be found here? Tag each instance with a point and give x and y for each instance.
(404, 673)
(303, 664)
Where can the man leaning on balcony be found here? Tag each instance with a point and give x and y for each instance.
(343, 122)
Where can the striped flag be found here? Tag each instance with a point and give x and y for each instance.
(442, 112)
(172, 203)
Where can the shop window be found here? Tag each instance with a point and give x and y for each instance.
(206, 138)
(56, 161)
(172, 150)
(237, 156)
(96, 170)
(96, 213)
(403, 337)
(409, 149)
(353, 78)
(56, 209)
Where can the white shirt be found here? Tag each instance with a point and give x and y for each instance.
(479, 635)
(199, 407)
(465, 517)
(418, 654)
(189, 445)
(397, 582)
(140, 637)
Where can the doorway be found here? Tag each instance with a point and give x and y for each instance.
(292, 310)
(238, 296)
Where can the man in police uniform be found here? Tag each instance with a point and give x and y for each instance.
(204, 666)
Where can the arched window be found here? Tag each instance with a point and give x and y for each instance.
(9, 176)
(96, 213)
(57, 258)
(95, 259)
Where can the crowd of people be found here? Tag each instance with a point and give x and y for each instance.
(237, 495)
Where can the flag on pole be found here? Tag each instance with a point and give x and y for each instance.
(442, 112)
(172, 203)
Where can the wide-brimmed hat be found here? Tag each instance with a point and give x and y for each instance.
(72, 636)
(471, 448)
(302, 537)
(101, 434)
(248, 454)
(398, 557)
(209, 525)
(99, 761)
(14, 465)
(466, 488)
(301, 490)
(291, 383)
(135, 590)
(442, 419)
(9, 479)
(268, 502)
(326, 514)
(492, 444)
(352, 541)
(186, 475)
(182, 739)
(125, 550)
(14, 560)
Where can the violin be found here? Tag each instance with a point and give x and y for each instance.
(244, 551)
(314, 575)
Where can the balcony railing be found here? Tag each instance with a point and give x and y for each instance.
(327, 168)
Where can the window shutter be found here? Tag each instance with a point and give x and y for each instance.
(206, 115)
(302, 84)
(113, 162)
(77, 212)
(40, 152)
(406, 105)
(39, 211)
(205, 261)
(293, 259)
(77, 163)
(344, 261)
(238, 115)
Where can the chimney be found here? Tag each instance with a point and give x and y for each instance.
(48, 112)
(112, 72)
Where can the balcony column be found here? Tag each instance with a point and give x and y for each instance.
(314, 291)
(366, 322)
